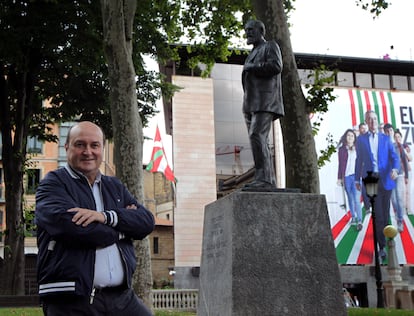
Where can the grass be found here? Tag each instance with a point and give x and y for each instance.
(31, 311)
(378, 312)
(351, 312)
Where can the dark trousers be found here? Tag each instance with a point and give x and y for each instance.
(258, 128)
(382, 212)
(107, 302)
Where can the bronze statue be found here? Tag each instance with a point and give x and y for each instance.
(262, 102)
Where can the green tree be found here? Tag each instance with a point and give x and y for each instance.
(50, 51)
(36, 61)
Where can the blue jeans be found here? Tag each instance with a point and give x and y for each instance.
(398, 196)
(354, 197)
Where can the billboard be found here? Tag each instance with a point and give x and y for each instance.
(354, 244)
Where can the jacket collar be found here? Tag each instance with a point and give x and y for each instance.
(79, 175)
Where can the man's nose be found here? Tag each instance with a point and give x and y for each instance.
(87, 149)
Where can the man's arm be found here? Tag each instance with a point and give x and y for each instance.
(52, 204)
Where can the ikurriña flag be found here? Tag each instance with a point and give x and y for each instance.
(159, 161)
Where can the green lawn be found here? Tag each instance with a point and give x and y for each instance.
(38, 312)
(351, 312)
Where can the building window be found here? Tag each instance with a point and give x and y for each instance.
(399, 82)
(363, 80)
(155, 249)
(34, 145)
(381, 81)
(33, 179)
(345, 79)
(29, 222)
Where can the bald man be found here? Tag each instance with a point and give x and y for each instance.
(86, 223)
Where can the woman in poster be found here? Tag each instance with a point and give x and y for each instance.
(398, 193)
(346, 175)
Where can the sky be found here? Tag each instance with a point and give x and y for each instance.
(332, 27)
(339, 27)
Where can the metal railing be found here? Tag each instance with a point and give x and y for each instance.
(175, 299)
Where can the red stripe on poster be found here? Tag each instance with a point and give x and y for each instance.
(384, 107)
(367, 248)
(408, 245)
(340, 225)
(353, 110)
(367, 101)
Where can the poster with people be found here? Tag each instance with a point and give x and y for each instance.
(353, 121)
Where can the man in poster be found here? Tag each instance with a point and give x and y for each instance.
(375, 153)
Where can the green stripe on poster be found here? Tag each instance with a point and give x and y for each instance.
(376, 105)
(411, 218)
(344, 248)
(392, 110)
(360, 106)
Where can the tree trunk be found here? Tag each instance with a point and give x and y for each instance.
(118, 18)
(14, 157)
(299, 145)
(13, 275)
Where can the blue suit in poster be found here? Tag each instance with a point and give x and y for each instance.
(385, 163)
(387, 159)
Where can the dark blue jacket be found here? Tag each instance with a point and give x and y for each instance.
(66, 256)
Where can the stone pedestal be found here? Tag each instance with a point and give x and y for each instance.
(269, 254)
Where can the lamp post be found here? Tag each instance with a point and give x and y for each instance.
(371, 187)
(394, 270)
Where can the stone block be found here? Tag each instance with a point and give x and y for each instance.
(269, 254)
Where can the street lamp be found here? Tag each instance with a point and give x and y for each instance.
(371, 187)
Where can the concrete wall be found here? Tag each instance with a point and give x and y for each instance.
(194, 165)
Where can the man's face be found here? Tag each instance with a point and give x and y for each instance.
(362, 129)
(253, 34)
(389, 131)
(372, 121)
(85, 149)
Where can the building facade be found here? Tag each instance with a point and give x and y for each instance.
(370, 83)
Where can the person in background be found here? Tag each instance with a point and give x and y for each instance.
(376, 153)
(408, 186)
(381, 128)
(389, 131)
(398, 193)
(346, 175)
(363, 128)
(86, 223)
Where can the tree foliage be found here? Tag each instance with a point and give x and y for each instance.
(375, 7)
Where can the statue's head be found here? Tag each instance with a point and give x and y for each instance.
(255, 31)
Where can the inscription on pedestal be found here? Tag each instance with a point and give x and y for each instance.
(216, 243)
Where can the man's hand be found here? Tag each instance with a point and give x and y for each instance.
(131, 207)
(85, 216)
(394, 174)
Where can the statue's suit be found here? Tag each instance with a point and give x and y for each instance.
(262, 84)
(262, 104)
